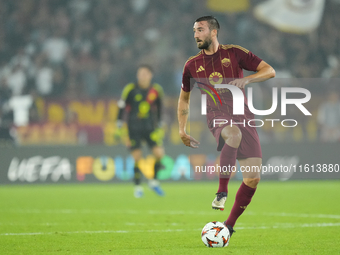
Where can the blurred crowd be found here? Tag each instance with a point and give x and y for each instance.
(73, 49)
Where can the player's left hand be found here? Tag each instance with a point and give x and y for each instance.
(240, 83)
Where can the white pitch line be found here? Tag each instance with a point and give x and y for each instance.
(289, 225)
(22, 223)
(170, 212)
(282, 226)
(97, 232)
(152, 224)
(300, 215)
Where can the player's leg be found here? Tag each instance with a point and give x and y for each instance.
(155, 139)
(230, 137)
(136, 153)
(158, 152)
(251, 170)
(233, 173)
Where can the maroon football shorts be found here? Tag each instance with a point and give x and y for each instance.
(250, 146)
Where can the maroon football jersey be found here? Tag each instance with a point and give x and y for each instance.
(219, 68)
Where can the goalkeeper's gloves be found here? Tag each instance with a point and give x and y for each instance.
(119, 130)
(158, 134)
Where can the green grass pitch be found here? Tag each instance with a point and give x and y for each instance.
(284, 218)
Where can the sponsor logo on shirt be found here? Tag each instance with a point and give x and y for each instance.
(200, 69)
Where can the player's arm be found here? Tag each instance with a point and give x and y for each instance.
(263, 72)
(183, 107)
(122, 103)
(159, 111)
(159, 104)
(121, 107)
(248, 61)
(158, 133)
(118, 132)
(182, 114)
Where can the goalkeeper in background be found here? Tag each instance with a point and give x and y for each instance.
(142, 102)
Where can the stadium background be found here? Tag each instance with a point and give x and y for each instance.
(65, 180)
(63, 65)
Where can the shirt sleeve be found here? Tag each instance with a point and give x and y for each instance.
(186, 78)
(123, 101)
(159, 101)
(246, 59)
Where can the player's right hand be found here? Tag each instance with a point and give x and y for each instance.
(240, 83)
(189, 141)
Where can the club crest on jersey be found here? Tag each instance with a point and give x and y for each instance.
(215, 78)
(226, 62)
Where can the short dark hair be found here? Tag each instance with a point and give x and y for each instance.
(145, 66)
(212, 22)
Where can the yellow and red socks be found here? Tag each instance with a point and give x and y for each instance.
(242, 200)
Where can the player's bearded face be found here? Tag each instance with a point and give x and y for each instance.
(204, 44)
(202, 35)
